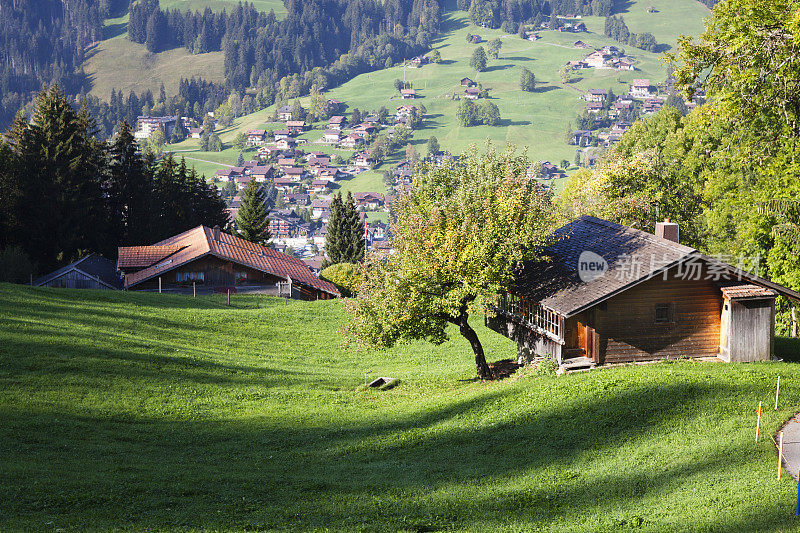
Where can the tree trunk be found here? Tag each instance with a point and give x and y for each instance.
(484, 372)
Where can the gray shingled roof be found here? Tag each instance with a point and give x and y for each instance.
(557, 285)
(93, 265)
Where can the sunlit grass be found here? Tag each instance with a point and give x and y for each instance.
(137, 412)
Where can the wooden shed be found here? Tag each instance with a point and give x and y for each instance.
(91, 272)
(609, 293)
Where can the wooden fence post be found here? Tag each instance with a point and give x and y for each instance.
(159, 284)
(780, 454)
(194, 289)
(229, 304)
(256, 300)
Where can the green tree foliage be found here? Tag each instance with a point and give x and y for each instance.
(616, 28)
(478, 59)
(65, 193)
(527, 81)
(15, 265)
(129, 189)
(433, 145)
(55, 167)
(240, 141)
(493, 48)
(252, 219)
(483, 113)
(488, 113)
(156, 142)
(466, 114)
(346, 276)
(179, 132)
(459, 236)
(318, 107)
(344, 242)
(436, 57)
(298, 111)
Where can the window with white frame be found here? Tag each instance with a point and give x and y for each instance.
(190, 276)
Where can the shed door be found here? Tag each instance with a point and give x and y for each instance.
(724, 326)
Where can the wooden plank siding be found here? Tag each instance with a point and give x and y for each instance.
(217, 273)
(627, 324)
(752, 323)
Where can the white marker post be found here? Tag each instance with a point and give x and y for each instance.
(777, 392)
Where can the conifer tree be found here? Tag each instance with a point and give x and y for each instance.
(129, 189)
(252, 219)
(59, 165)
(345, 240)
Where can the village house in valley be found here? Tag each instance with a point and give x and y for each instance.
(215, 261)
(612, 294)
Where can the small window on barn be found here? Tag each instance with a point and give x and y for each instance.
(664, 314)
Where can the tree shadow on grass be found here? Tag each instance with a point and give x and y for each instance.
(114, 30)
(495, 68)
(504, 123)
(450, 466)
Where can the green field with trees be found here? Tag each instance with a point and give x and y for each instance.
(126, 411)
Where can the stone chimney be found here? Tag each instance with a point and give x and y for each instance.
(216, 233)
(667, 230)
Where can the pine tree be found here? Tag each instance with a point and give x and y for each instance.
(129, 189)
(345, 240)
(62, 205)
(252, 218)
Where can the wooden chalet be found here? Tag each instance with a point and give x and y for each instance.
(610, 293)
(337, 122)
(296, 126)
(214, 260)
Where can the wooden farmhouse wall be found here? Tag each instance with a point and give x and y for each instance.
(630, 330)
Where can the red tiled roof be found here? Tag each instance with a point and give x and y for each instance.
(142, 256)
(199, 241)
(735, 292)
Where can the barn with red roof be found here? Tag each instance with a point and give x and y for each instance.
(213, 260)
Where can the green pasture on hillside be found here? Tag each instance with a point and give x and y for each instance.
(536, 122)
(145, 412)
(219, 5)
(118, 63)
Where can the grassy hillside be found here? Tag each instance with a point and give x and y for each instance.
(536, 121)
(219, 5)
(126, 411)
(117, 63)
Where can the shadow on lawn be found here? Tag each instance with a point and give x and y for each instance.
(383, 473)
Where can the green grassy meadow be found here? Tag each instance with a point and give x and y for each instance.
(118, 63)
(135, 412)
(219, 5)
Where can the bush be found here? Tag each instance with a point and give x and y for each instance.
(346, 276)
(15, 265)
